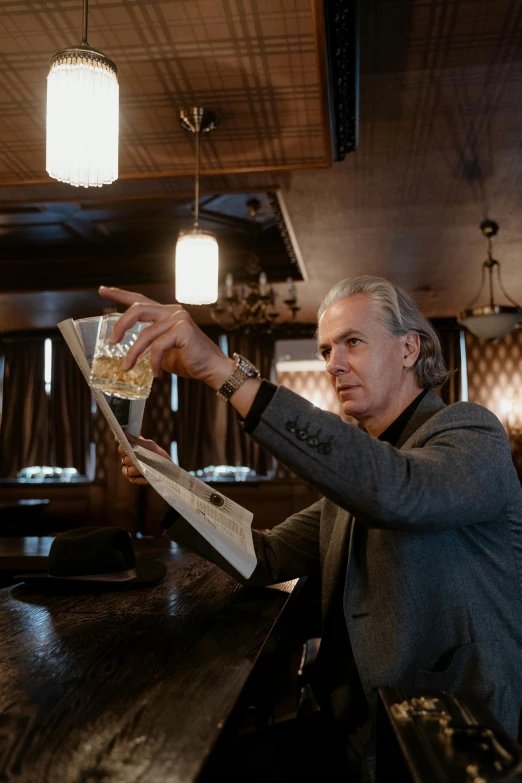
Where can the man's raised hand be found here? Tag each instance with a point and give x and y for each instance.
(177, 344)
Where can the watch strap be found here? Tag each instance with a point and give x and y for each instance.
(244, 370)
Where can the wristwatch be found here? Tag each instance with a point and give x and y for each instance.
(244, 370)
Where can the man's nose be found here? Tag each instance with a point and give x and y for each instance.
(338, 363)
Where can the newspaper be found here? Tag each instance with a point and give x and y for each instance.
(223, 523)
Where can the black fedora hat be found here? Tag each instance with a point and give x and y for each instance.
(96, 557)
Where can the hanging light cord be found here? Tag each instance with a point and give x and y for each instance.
(196, 205)
(85, 15)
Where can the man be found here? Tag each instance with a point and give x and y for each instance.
(418, 538)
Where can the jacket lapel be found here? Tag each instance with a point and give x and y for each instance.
(339, 552)
(427, 407)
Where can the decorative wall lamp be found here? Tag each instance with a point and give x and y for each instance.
(82, 115)
(252, 306)
(197, 251)
(492, 320)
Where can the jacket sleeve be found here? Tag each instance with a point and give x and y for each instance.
(457, 472)
(288, 551)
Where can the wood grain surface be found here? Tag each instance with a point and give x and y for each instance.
(24, 553)
(127, 686)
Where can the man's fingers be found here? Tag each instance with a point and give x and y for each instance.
(130, 470)
(163, 343)
(138, 311)
(150, 336)
(142, 312)
(150, 445)
(125, 297)
(136, 478)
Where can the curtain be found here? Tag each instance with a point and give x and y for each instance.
(24, 431)
(241, 449)
(158, 418)
(208, 431)
(200, 426)
(70, 412)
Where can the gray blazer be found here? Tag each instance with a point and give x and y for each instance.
(419, 545)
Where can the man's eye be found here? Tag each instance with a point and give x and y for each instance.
(354, 341)
(325, 355)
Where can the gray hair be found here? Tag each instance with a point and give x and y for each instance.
(400, 316)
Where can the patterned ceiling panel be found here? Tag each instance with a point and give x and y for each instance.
(439, 131)
(258, 63)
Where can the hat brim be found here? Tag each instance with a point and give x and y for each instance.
(148, 571)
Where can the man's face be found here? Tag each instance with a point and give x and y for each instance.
(365, 363)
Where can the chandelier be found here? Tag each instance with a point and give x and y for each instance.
(251, 306)
(82, 115)
(197, 251)
(491, 321)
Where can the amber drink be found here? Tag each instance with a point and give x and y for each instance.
(107, 373)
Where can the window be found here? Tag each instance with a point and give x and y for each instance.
(223, 343)
(463, 368)
(48, 365)
(299, 368)
(174, 408)
(174, 394)
(2, 367)
(174, 452)
(43, 458)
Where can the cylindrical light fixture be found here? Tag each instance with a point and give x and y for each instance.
(197, 251)
(82, 115)
(197, 263)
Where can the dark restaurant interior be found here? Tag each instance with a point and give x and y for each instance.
(379, 137)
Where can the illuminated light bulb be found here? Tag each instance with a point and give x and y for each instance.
(197, 263)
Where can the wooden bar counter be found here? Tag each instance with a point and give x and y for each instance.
(126, 687)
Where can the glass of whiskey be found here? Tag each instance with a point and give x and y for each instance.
(107, 374)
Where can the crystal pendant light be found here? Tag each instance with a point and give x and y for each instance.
(491, 321)
(197, 252)
(82, 115)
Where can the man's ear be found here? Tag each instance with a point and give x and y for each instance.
(411, 349)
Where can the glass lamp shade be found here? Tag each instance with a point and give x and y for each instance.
(197, 260)
(82, 118)
(491, 322)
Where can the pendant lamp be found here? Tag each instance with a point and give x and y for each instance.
(491, 321)
(197, 252)
(82, 115)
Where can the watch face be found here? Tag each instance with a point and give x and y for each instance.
(245, 366)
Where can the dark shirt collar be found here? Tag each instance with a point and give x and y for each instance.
(392, 433)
